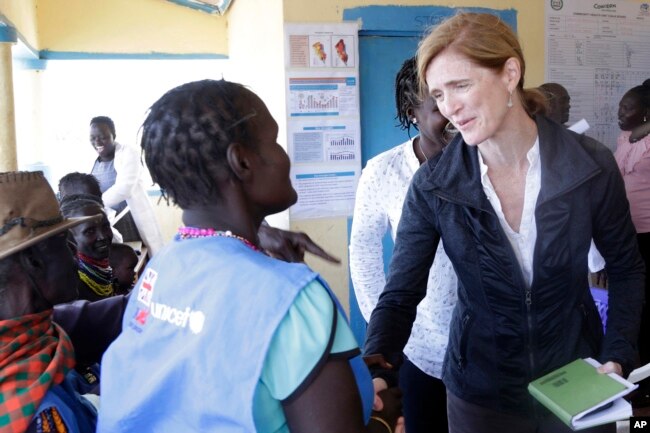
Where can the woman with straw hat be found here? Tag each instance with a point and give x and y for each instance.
(37, 271)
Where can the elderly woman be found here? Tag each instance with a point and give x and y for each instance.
(633, 158)
(92, 240)
(516, 199)
(36, 271)
(84, 183)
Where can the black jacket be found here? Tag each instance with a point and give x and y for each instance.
(503, 335)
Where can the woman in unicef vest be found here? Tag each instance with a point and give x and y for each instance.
(218, 336)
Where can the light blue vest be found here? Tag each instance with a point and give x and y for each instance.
(195, 336)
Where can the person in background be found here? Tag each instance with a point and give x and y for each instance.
(119, 172)
(79, 183)
(84, 183)
(633, 158)
(559, 102)
(509, 199)
(37, 271)
(643, 129)
(285, 359)
(123, 261)
(92, 242)
(378, 206)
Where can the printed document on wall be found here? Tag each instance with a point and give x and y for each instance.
(323, 127)
(598, 51)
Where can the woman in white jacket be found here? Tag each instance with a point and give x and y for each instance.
(378, 208)
(119, 171)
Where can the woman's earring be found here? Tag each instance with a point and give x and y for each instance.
(414, 121)
(645, 119)
(509, 104)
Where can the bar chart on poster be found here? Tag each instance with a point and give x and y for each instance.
(597, 50)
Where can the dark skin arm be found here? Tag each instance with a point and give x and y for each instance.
(290, 246)
(331, 404)
(600, 278)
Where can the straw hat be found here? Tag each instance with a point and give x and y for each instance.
(29, 211)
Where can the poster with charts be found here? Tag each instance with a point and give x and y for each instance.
(330, 141)
(323, 127)
(597, 50)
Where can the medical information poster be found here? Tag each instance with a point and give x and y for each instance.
(598, 51)
(323, 125)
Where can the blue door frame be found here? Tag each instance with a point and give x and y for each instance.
(388, 36)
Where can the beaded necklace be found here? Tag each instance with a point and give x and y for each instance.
(96, 274)
(196, 232)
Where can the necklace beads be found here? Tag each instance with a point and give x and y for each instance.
(96, 274)
(196, 232)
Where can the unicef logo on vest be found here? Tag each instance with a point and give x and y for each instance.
(177, 317)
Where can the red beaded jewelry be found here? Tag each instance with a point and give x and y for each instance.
(196, 232)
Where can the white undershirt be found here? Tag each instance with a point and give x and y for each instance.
(523, 243)
(380, 196)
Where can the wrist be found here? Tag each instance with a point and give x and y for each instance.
(390, 377)
(381, 421)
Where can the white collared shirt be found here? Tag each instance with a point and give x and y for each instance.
(523, 243)
(382, 188)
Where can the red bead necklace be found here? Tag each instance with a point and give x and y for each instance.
(196, 232)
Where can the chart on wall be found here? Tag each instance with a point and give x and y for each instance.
(597, 50)
(323, 138)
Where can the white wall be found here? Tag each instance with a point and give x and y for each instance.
(54, 107)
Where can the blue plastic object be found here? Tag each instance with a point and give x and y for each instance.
(600, 298)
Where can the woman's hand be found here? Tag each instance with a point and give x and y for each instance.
(290, 246)
(611, 367)
(377, 361)
(388, 405)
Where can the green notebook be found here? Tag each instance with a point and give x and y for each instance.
(581, 397)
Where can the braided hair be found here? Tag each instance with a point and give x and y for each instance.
(73, 203)
(407, 93)
(186, 135)
(104, 120)
(74, 183)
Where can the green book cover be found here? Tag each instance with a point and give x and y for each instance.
(577, 388)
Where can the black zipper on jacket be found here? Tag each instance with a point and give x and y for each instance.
(529, 320)
(528, 294)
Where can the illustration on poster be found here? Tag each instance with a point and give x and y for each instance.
(320, 51)
(340, 50)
